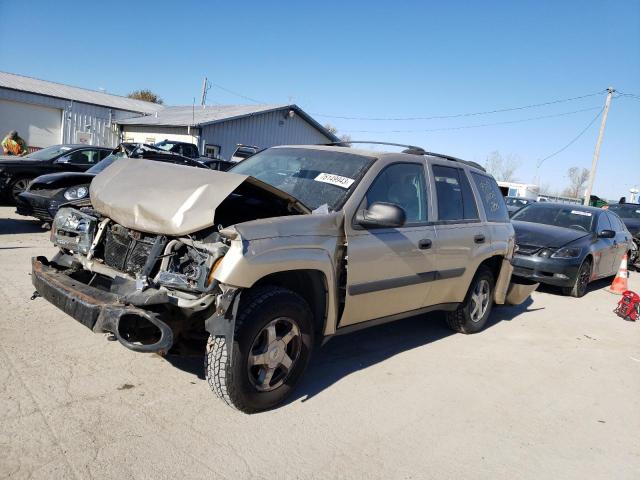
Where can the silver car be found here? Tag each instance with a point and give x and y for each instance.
(268, 260)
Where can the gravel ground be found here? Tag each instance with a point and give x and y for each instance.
(550, 390)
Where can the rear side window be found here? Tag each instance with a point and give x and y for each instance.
(455, 197)
(492, 199)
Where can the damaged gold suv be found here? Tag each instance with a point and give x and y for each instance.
(293, 245)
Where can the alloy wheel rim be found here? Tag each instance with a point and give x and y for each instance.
(480, 300)
(584, 277)
(274, 354)
(19, 187)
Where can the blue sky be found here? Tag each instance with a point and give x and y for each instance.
(368, 59)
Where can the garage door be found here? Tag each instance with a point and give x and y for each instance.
(39, 126)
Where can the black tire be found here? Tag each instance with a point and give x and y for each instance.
(16, 187)
(233, 381)
(580, 285)
(461, 320)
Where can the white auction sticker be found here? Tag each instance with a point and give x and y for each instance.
(579, 212)
(337, 180)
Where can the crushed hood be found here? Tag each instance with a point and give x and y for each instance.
(167, 199)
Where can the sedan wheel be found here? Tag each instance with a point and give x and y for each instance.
(581, 284)
(18, 187)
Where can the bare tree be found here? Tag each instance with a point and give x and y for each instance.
(146, 95)
(344, 138)
(502, 168)
(577, 179)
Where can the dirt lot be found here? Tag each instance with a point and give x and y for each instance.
(550, 390)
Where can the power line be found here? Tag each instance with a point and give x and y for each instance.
(574, 140)
(235, 93)
(464, 127)
(458, 115)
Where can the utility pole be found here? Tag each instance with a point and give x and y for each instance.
(596, 153)
(203, 98)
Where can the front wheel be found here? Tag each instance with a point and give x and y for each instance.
(473, 312)
(579, 288)
(272, 345)
(18, 186)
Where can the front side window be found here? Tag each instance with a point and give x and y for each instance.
(315, 177)
(402, 184)
(83, 157)
(455, 198)
(491, 197)
(604, 223)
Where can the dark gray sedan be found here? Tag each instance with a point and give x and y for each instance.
(568, 245)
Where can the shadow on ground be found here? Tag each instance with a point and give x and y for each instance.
(344, 355)
(593, 286)
(13, 226)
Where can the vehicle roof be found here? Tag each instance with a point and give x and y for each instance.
(380, 155)
(77, 145)
(571, 205)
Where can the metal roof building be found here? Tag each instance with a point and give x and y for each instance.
(218, 129)
(46, 113)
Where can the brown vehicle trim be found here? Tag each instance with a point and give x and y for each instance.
(389, 283)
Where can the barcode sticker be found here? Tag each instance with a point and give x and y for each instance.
(580, 212)
(336, 180)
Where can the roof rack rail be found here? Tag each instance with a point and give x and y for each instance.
(411, 149)
(346, 143)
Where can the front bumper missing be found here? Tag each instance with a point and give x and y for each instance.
(100, 311)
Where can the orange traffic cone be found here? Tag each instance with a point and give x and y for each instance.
(619, 284)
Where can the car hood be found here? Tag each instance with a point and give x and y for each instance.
(61, 179)
(168, 199)
(9, 161)
(541, 235)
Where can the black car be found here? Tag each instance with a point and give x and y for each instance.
(47, 193)
(17, 172)
(516, 203)
(629, 213)
(568, 245)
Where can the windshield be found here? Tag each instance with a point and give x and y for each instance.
(556, 215)
(314, 177)
(48, 153)
(164, 145)
(516, 202)
(108, 160)
(626, 210)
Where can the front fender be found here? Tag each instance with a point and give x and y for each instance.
(248, 262)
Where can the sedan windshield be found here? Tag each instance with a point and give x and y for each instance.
(626, 210)
(572, 217)
(108, 160)
(48, 153)
(314, 177)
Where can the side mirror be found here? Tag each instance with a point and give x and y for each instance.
(607, 234)
(381, 215)
(63, 159)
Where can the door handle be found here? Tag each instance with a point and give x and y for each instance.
(424, 244)
(479, 238)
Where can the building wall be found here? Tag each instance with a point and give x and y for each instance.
(76, 117)
(262, 130)
(151, 134)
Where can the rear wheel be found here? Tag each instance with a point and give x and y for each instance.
(579, 288)
(471, 316)
(272, 344)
